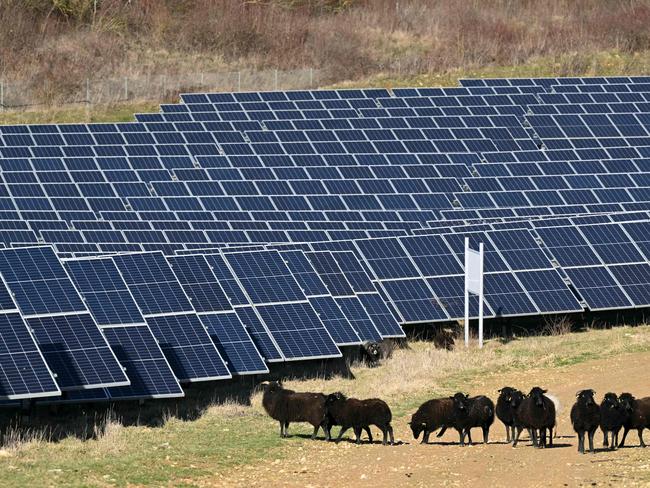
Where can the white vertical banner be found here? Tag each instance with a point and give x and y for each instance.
(474, 284)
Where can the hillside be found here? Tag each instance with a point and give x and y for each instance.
(53, 46)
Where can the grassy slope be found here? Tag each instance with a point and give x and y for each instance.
(609, 63)
(227, 436)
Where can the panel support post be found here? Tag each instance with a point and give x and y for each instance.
(480, 297)
(466, 321)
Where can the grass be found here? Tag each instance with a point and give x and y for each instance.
(229, 435)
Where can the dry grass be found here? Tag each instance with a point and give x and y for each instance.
(57, 43)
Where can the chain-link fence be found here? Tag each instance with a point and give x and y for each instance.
(23, 94)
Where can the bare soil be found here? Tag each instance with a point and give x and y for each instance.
(320, 464)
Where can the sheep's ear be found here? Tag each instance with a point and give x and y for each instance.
(544, 391)
(499, 391)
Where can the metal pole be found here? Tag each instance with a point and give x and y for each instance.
(2, 96)
(311, 77)
(480, 297)
(126, 88)
(466, 322)
(276, 80)
(238, 80)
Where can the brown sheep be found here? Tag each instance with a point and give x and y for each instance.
(638, 415)
(288, 406)
(431, 416)
(359, 414)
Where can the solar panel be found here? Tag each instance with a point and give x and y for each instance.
(276, 296)
(69, 338)
(635, 280)
(450, 291)
(109, 301)
(171, 318)
(548, 291)
(598, 288)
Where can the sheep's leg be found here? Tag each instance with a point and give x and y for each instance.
(286, 429)
(508, 433)
(461, 435)
(606, 440)
(581, 442)
(357, 433)
(369, 432)
(384, 431)
(469, 436)
(425, 437)
(534, 434)
(343, 429)
(390, 433)
(542, 437)
(316, 429)
(624, 436)
(281, 428)
(516, 438)
(641, 443)
(442, 431)
(591, 441)
(486, 434)
(614, 444)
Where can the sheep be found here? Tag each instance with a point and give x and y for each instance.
(637, 415)
(431, 416)
(471, 412)
(585, 418)
(287, 406)
(535, 412)
(505, 410)
(612, 417)
(359, 414)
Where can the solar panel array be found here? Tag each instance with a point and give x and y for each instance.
(231, 231)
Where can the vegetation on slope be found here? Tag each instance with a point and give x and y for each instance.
(58, 43)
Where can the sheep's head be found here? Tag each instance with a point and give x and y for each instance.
(272, 386)
(506, 393)
(516, 397)
(610, 401)
(461, 402)
(417, 427)
(537, 394)
(333, 398)
(627, 401)
(586, 397)
(373, 350)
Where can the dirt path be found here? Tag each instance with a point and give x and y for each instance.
(411, 464)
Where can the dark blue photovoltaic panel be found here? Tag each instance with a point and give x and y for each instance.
(450, 291)
(264, 276)
(24, 371)
(146, 366)
(234, 343)
(612, 244)
(330, 273)
(226, 280)
(76, 351)
(188, 347)
(38, 282)
(598, 288)
(354, 271)
(298, 331)
(432, 255)
(259, 333)
(335, 321)
(387, 258)
(380, 315)
(304, 273)
(104, 290)
(506, 296)
(568, 246)
(519, 249)
(152, 283)
(493, 261)
(358, 318)
(414, 300)
(635, 280)
(640, 233)
(548, 291)
(199, 283)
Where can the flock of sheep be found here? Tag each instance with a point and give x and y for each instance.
(535, 412)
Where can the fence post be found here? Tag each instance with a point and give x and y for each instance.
(2, 95)
(276, 80)
(88, 91)
(126, 88)
(238, 80)
(202, 81)
(162, 84)
(311, 77)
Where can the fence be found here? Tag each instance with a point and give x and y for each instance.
(23, 94)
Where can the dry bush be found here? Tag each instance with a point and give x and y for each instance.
(556, 326)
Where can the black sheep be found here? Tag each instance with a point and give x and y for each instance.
(637, 415)
(585, 418)
(536, 412)
(358, 415)
(612, 417)
(288, 406)
(469, 412)
(431, 416)
(505, 410)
